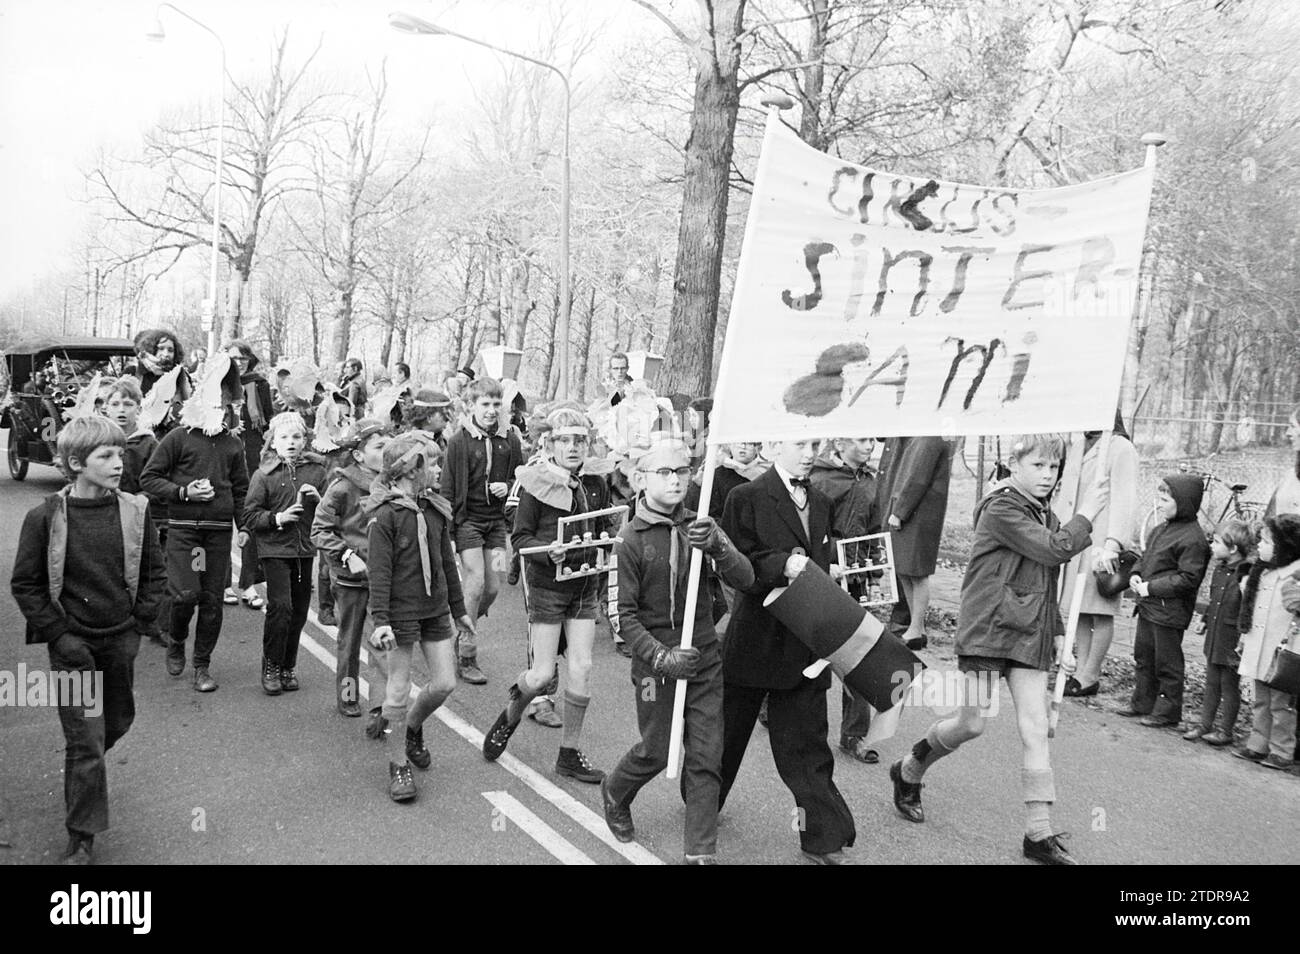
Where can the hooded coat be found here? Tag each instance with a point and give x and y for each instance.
(1010, 608)
(412, 565)
(1175, 559)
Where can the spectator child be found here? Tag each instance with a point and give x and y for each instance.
(1230, 548)
(1166, 580)
(414, 594)
(1270, 609)
(339, 531)
(87, 577)
(281, 503)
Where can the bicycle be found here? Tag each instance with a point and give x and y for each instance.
(1235, 507)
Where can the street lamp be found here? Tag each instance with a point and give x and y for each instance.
(156, 34)
(405, 23)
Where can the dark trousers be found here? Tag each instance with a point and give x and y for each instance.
(351, 607)
(1158, 671)
(164, 621)
(288, 597)
(797, 727)
(900, 617)
(198, 566)
(88, 737)
(701, 742)
(324, 586)
(855, 716)
(1222, 686)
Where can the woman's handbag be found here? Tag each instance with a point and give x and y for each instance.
(1284, 671)
(1111, 585)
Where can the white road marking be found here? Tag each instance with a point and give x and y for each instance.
(536, 829)
(539, 783)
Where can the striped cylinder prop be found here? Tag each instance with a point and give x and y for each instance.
(871, 662)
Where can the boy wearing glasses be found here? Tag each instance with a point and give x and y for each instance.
(653, 573)
(561, 613)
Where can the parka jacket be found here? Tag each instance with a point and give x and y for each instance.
(1009, 603)
(273, 489)
(1175, 559)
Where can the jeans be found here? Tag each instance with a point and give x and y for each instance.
(198, 566)
(1158, 671)
(288, 597)
(702, 744)
(85, 775)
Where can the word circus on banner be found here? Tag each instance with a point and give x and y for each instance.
(870, 302)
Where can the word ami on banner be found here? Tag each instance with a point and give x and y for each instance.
(913, 306)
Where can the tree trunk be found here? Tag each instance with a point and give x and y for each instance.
(814, 75)
(549, 389)
(341, 329)
(584, 348)
(703, 228)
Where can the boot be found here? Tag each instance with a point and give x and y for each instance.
(376, 725)
(415, 750)
(270, 677)
(401, 783)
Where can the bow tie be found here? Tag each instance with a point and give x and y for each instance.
(800, 482)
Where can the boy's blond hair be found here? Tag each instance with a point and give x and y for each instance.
(81, 437)
(406, 454)
(1022, 445)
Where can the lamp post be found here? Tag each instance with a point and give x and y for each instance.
(157, 35)
(405, 23)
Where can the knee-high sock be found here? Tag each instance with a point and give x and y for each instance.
(926, 752)
(575, 711)
(426, 703)
(1039, 788)
(520, 696)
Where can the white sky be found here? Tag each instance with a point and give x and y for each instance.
(75, 74)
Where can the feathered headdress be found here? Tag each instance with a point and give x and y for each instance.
(164, 394)
(333, 418)
(303, 377)
(87, 398)
(215, 390)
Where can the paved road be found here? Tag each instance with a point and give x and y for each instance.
(236, 776)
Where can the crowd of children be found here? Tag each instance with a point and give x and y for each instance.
(418, 545)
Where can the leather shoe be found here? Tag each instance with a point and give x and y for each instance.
(203, 681)
(1274, 762)
(351, 709)
(1195, 733)
(1048, 851)
(617, 817)
(1249, 755)
(1218, 738)
(1128, 712)
(1075, 690)
(859, 749)
(80, 850)
(907, 795)
(1157, 722)
(920, 642)
(470, 673)
(837, 857)
(542, 711)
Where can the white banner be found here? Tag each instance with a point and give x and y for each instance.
(870, 304)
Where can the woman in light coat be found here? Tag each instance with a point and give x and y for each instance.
(1114, 530)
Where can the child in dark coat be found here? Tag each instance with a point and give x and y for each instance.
(1166, 580)
(653, 574)
(281, 503)
(415, 594)
(339, 532)
(87, 577)
(1230, 548)
(1010, 627)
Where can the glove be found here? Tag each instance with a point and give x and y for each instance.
(676, 662)
(704, 535)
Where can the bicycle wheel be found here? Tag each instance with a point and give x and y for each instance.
(1148, 526)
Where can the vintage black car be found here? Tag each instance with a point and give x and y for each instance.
(34, 419)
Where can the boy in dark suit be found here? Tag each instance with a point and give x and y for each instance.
(780, 522)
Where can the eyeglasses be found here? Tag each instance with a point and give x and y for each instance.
(681, 473)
